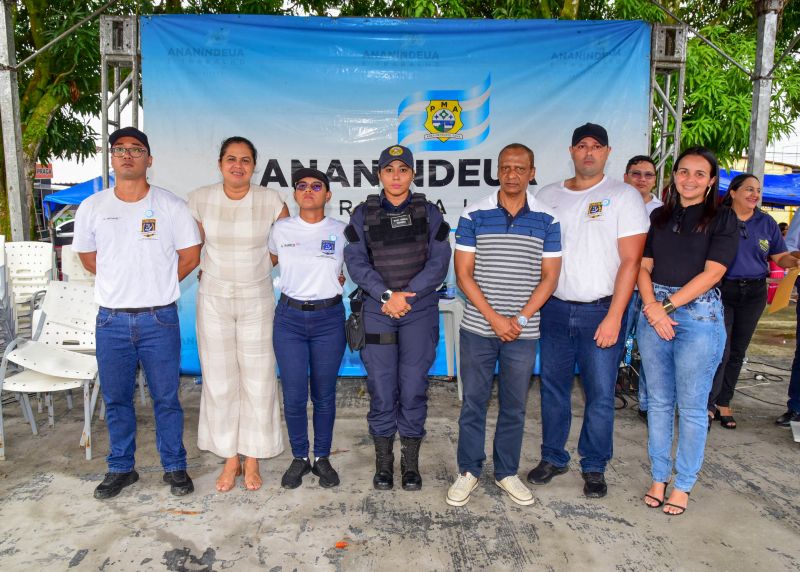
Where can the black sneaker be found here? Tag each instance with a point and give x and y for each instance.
(594, 485)
(786, 419)
(328, 477)
(179, 483)
(114, 483)
(293, 477)
(544, 472)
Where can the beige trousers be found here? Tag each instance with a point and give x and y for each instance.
(239, 409)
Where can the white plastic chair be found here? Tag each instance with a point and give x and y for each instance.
(72, 268)
(452, 311)
(68, 319)
(30, 268)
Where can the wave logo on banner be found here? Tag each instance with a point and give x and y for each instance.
(446, 119)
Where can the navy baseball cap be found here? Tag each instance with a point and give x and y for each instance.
(596, 132)
(396, 152)
(300, 174)
(129, 132)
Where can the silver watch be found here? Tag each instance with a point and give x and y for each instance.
(522, 320)
(386, 296)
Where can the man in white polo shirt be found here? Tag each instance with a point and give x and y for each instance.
(603, 230)
(140, 241)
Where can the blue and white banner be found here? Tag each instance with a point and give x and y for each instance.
(332, 93)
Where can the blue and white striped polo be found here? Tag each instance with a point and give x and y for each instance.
(508, 257)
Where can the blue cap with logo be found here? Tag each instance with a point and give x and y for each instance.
(396, 153)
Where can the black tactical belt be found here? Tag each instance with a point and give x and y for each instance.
(310, 306)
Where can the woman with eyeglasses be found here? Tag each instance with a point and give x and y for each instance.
(309, 336)
(744, 288)
(681, 330)
(239, 413)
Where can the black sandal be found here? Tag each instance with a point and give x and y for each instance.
(727, 421)
(660, 501)
(682, 508)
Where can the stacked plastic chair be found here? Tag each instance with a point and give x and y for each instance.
(58, 358)
(29, 270)
(72, 268)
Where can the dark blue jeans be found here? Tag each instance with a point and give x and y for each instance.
(479, 355)
(309, 347)
(567, 338)
(124, 340)
(794, 381)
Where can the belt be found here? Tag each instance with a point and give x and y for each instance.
(603, 300)
(137, 310)
(310, 306)
(745, 281)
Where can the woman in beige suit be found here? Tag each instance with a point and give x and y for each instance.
(239, 410)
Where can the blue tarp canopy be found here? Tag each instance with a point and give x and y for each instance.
(777, 189)
(73, 195)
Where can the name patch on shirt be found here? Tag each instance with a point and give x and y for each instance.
(399, 221)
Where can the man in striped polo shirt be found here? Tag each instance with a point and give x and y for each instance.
(507, 262)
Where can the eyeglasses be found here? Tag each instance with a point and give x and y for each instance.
(743, 230)
(641, 175)
(302, 186)
(134, 152)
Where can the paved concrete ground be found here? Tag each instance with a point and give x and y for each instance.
(743, 513)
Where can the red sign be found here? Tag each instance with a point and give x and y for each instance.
(44, 171)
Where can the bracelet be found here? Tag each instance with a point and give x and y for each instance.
(668, 306)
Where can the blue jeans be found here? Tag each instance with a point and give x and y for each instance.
(567, 338)
(123, 341)
(309, 342)
(631, 319)
(794, 380)
(478, 358)
(681, 372)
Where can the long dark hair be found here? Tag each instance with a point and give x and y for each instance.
(734, 185)
(672, 200)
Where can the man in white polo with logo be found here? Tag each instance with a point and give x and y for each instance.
(603, 230)
(140, 241)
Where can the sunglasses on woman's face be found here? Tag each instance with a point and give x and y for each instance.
(303, 186)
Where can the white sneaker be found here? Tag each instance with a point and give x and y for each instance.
(459, 491)
(518, 492)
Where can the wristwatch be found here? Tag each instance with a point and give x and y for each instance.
(522, 320)
(386, 296)
(668, 306)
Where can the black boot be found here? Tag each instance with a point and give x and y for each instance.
(384, 463)
(409, 463)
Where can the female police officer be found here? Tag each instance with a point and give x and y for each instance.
(398, 253)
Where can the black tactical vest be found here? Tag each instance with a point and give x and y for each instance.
(397, 242)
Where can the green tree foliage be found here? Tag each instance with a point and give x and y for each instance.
(59, 90)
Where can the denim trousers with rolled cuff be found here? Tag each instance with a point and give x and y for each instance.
(680, 373)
